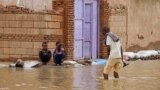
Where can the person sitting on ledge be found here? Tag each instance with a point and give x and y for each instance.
(59, 54)
(45, 54)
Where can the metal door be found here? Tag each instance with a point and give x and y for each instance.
(85, 34)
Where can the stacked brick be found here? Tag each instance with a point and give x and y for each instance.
(21, 35)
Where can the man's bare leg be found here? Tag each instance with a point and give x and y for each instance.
(105, 76)
(116, 75)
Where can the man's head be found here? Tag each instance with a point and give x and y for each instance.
(57, 43)
(59, 47)
(45, 45)
(105, 30)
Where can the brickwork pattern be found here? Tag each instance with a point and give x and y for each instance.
(21, 35)
(104, 18)
(69, 28)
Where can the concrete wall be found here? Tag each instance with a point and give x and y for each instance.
(139, 25)
(118, 20)
(143, 24)
(21, 35)
(37, 5)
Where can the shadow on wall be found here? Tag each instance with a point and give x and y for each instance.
(152, 45)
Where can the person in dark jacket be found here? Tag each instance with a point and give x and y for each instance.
(59, 54)
(45, 54)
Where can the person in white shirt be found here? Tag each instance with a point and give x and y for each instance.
(115, 53)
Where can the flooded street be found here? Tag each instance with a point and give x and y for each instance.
(139, 75)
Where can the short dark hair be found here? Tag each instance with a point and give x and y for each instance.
(58, 42)
(44, 42)
(106, 29)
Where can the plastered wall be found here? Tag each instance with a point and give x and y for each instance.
(37, 5)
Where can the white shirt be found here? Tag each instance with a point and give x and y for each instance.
(115, 47)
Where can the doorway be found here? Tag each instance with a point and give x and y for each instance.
(86, 29)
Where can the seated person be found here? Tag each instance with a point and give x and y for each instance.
(58, 54)
(45, 54)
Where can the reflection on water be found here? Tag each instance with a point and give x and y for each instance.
(139, 75)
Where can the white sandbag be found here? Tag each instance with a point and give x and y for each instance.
(69, 62)
(138, 55)
(146, 53)
(158, 51)
(78, 65)
(27, 64)
(129, 54)
(30, 64)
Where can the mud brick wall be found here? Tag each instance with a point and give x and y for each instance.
(21, 35)
(143, 25)
(118, 23)
(36, 5)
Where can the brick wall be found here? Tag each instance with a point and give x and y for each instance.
(69, 28)
(118, 22)
(66, 8)
(21, 35)
(104, 18)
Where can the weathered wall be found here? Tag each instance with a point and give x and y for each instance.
(143, 24)
(117, 2)
(21, 35)
(118, 20)
(136, 22)
(37, 5)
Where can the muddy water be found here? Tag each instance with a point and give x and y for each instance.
(139, 75)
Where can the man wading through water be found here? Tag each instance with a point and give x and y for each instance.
(115, 53)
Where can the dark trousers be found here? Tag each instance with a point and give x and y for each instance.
(45, 59)
(58, 58)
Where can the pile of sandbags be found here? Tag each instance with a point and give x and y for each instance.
(144, 55)
(158, 51)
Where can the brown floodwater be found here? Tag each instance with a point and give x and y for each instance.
(139, 75)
